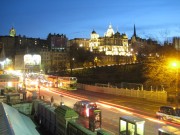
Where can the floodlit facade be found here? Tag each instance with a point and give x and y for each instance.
(111, 44)
(27, 62)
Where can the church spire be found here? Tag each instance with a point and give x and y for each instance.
(134, 31)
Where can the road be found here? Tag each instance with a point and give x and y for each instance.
(113, 107)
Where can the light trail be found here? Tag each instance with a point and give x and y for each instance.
(110, 105)
(67, 95)
(124, 111)
(104, 105)
(115, 105)
(155, 120)
(120, 108)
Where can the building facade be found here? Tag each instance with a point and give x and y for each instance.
(110, 44)
(80, 42)
(58, 42)
(176, 43)
(53, 61)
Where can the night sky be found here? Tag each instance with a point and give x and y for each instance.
(157, 19)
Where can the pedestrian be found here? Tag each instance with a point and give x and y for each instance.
(52, 100)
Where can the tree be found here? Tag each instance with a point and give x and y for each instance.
(80, 54)
(158, 73)
(167, 50)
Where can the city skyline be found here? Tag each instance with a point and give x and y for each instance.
(77, 19)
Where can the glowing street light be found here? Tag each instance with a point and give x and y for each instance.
(72, 64)
(176, 66)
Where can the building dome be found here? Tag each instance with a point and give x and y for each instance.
(93, 32)
(117, 34)
(94, 35)
(124, 36)
(110, 31)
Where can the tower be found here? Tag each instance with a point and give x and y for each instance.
(12, 32)
(134, 31)
(133, 38)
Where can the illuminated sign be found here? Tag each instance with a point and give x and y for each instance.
(32, 60)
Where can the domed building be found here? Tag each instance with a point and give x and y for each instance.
(94, 41)
(110, 32)
(111, 44)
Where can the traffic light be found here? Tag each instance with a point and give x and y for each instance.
(94, 119)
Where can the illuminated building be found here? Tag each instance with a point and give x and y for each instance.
(80, 42)
(111, 44)
(28, 62)
(94, 41)
(12, 32)
(46, 60)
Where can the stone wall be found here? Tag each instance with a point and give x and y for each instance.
(154, 96)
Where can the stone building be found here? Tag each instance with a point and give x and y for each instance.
(53, 61)
(80, 42)
(57, 42)
(176, 43)
(110, 44)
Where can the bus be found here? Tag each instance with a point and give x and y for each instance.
(168, 113)
(67, 83)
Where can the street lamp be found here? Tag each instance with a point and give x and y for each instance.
(176, 66)
(72, 64)
(61, 103)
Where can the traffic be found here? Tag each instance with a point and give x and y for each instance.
(83, 107)
(86, 107)
(35, 80)
(168, 113)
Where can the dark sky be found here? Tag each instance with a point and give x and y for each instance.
(157, 19)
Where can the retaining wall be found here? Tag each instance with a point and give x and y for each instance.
(155, 96)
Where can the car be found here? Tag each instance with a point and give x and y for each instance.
(169, 113)
(82, 107)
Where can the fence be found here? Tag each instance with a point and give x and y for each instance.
(155, 96)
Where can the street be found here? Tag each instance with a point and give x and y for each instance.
(113, 107)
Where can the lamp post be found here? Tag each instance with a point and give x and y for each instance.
(72, 64)
(175, 65)
(61, 103)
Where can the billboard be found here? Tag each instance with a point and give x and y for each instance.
(32, 60)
